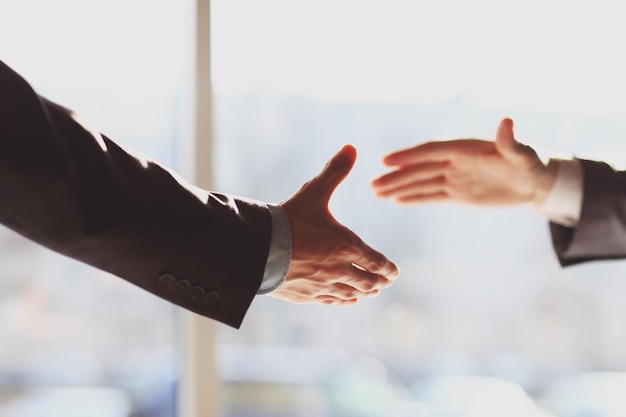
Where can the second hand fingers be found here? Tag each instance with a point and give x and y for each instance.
(332, 300)
(346, 291)
(364, 281)
(409, 174)
(423, 198)
(369, 264)
(431, 186)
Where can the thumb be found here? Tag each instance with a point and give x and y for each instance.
(335, 171)
(510, 148)
(506, 143)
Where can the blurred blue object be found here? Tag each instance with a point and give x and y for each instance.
(309, 382)
(68, 402)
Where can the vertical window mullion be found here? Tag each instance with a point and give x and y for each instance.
(198, 393)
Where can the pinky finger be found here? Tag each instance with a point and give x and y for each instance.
(423, 198)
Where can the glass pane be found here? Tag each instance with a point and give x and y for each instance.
(482, 305)
(76, 341)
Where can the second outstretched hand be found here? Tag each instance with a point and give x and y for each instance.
(330, 264)
(489, 173)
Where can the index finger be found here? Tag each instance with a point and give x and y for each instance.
(433, 151)
(375, 262)
(425, 152)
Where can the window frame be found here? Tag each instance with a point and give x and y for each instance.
(198, 394)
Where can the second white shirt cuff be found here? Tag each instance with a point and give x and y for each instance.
(564, 203)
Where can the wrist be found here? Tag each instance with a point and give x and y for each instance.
(545, 182)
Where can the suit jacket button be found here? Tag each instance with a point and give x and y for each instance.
(166, 280)
(196, 294)
(182, 286)
(211, 298)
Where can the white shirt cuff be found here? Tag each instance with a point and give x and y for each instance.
(279, 255)
(564, 203)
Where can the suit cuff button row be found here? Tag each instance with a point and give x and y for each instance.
(195, 294)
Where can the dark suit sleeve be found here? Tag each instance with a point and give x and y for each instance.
(79, 193)
(601, 231)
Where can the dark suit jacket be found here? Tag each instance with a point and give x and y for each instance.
(601, 232)
(79, 193)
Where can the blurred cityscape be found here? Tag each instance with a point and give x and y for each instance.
(482, 322)
(481, 292)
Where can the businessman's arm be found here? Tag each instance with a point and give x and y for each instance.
(74, 190)
(77, 192)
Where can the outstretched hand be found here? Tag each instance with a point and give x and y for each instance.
(489, 173)
(330, 264)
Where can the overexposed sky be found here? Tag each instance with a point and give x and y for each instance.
(540, 54)
(94, 45)
(536, 54)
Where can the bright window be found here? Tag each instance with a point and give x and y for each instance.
(76, 341)
(481, 293)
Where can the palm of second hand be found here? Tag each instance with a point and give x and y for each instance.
(330, 264)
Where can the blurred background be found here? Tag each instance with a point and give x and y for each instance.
(483, 321)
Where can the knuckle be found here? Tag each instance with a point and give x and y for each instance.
(351, 295)
(369, 285)
(348, 250)
(377, 262)
(334, 275)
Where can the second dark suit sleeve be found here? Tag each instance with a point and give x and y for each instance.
(79, 193)
(601, 231)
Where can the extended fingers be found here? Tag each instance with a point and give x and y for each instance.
(347, 249)
(356, 268)
(435, 151)
(410, 199)
(331, 300)
(369, 266)
(363, 281)
(432, 186)
(342, 292)
(408, 175)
